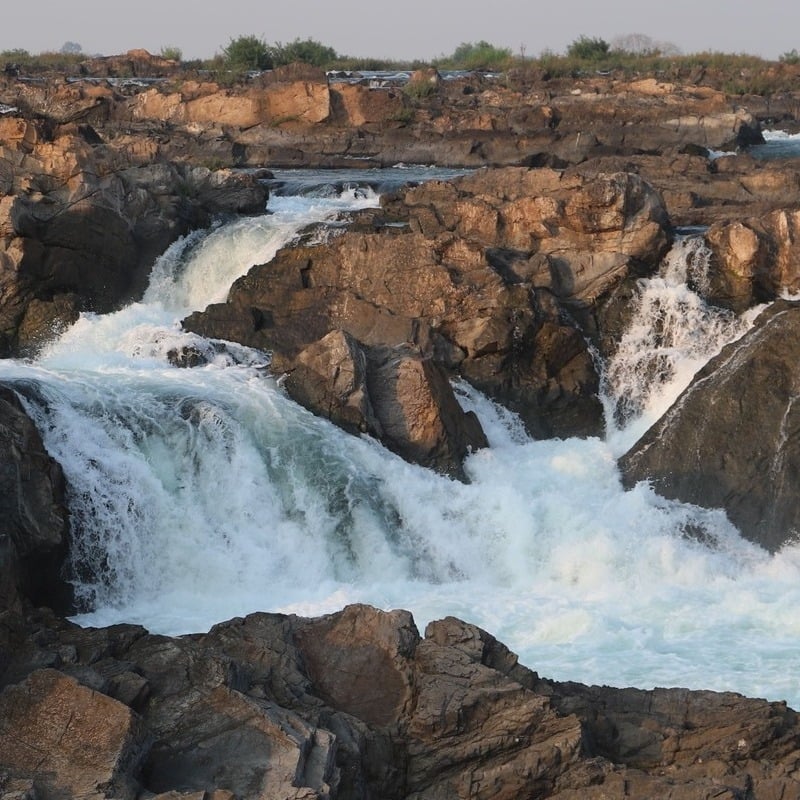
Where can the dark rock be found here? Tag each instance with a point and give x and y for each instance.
(729, 441)
(33, 515)
(80, 230)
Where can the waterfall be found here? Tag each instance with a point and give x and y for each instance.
(202, 494)
(672, 333)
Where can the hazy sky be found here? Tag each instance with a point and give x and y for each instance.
(411, 29)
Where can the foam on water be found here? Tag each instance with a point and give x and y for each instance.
(672, 332)
(777, 144)
(202, 494)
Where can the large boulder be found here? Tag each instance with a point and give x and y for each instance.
(756, 259)
(68, 740)
(729, 440)
(33, 514)
(392, 393)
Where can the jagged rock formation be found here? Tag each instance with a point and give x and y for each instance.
(357, 705)
(729, 441)
(481, 280)
(81, 224)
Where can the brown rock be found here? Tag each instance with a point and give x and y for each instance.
(74, 742)
(248, 747)
(359, 660)
(419, 416)
(356, 105)
(394, 394)
(756, 259)
(329, 377)
(475, 283)
(252, 708)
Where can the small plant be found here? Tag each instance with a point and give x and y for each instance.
(420, 88)
(792, 57)
(171, 53)
(404, 116)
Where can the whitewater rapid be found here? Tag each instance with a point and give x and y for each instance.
(202, 494)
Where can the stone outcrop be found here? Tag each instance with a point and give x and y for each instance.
(356, 705)
(80, 226)
(481, 279)
(729, 440)
(33, 515)
(289, 99)
(296, 116)
(756, 259)
(68, 740)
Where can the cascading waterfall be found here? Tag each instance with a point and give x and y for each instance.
(201, 494)
(672, 333)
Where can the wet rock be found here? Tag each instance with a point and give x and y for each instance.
(329, 377)
(729, 440)
(33, 515)
(393, 394)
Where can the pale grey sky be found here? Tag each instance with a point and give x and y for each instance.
(411, 29)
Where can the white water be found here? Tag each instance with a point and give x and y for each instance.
(203, 494)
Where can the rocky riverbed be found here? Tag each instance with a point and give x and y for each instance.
(516, 278)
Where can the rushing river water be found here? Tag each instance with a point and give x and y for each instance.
(202, 494)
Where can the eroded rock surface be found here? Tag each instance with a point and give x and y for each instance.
(33, 515)
(357, 705)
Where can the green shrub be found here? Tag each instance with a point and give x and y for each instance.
(792, 57)
(307, 51)
(587, 49)
(171, 53)
(247, 52)
(477, 55)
